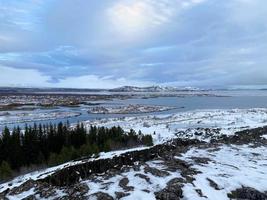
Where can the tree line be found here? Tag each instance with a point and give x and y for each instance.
(55, 144)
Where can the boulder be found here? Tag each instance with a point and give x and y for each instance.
(124, 185)
(101, 196)
(173, 191)
(26, 186)
(156, 172)
(78, 190)
(247, 193)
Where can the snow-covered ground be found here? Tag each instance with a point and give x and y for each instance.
(128, 109)
(230, 167)
(46, 172)
(20, 117)
(198, 124)
(140, 184)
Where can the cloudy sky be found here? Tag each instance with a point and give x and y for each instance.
(110, 43)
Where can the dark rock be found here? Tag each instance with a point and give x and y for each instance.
(120, 195)
(143, 177)
(31, 197)
(26, 186)
(200, 160)
(176, 181)
(78, 190)
(147, 191)
(187, 171)
(3, 196)
(72, 174)
(124, 185)
(101, 196)
(45, 190)
(199, 191)
(175, 164)
(123, 182)
(247, 193)
(136, 166)
(246, 137)
(4, 193)
(173, 191)
(213, 184)
(156, 172)
(69, 177)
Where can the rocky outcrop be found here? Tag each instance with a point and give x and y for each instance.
(124, 185)
(156, 172)
(73, 174)
(213, 184)
(68, 181)
(23, 187)
(245, 137)
(142, 176)
(101, 196)
(78, 191)
(173, 191)
(246, 193)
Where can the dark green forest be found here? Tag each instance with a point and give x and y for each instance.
(49, 145)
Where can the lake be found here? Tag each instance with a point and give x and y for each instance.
(230, 100)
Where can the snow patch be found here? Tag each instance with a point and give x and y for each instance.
(231, 167)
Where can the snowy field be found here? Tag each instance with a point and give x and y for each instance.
(198, 124)
(128, 109)
(21, 117)
(44, 173)
(228, 167)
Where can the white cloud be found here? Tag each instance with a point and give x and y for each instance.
(22, 77)
(93, 81)
(133, 18)
(32, 78)
(191, 42)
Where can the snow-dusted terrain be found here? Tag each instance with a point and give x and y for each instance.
(202, 171)
(154, 89)
(128, 109)
(198, 124)
(21, 117)
(46, 172)
(229, 167)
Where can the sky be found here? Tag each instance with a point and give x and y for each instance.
(111, 43)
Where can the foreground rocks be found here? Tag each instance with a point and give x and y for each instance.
(69, 183)
(173, 191)
(245, 137)
(73, 174)
(247, 193)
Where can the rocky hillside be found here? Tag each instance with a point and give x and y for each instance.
(232, 167)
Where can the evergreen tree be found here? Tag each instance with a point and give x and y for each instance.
(55, 144)
(5, 171)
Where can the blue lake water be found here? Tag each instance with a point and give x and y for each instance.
(240, 99)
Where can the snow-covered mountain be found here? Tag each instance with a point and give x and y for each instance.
(153, 89)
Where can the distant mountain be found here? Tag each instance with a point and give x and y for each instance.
(6, 90)
(153, 89)
(14, 90)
